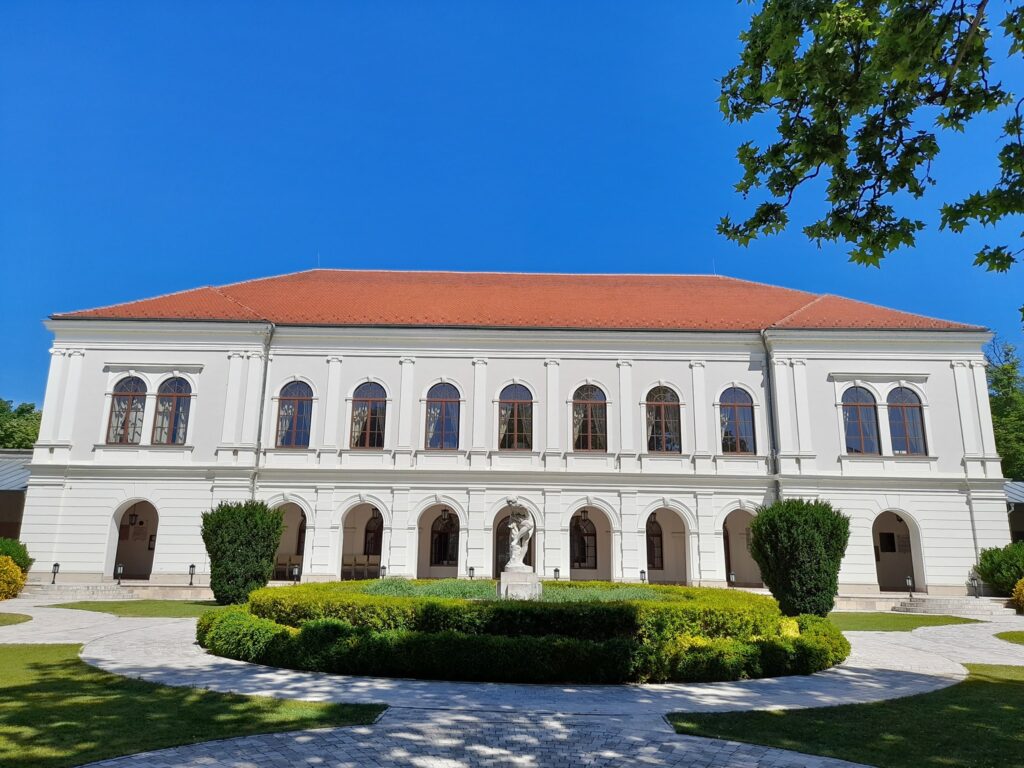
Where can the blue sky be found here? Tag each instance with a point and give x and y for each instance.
(152, 147)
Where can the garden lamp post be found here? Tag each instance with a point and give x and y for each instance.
(975, 585)
(643, 576)
(472, 572)
(119, 572)
(558, 572)
(55, 570)
(383, 571)
(191, 573)
(910, 586)
(295, 573)
(732, 578)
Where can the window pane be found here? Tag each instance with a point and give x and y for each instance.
(118, 409)
(433, 425)
(285, 416)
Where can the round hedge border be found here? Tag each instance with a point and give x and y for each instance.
(685, 634)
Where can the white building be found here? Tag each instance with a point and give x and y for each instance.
(640, 419)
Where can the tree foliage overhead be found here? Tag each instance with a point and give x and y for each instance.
(1006, 396)
(19, 426)
(862, 91)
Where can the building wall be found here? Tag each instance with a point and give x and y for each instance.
(79, 485)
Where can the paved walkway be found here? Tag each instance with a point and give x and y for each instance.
(452, 725)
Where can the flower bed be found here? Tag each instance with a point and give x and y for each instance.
(652, 634)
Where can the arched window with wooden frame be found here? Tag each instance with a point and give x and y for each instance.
(906, 423)
(655, 545)
(515, 418)
(294, 415)
(444, 540)
(170, 423)
(664, 425)
(736, 410)
(373, 534)
(583, 542)
(589, 419)
(127, 408)
(442, 427)
(860, 421)
(369, 410)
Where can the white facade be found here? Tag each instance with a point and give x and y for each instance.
(948, 503)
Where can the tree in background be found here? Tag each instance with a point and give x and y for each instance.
(1006, 395)
(241, 539)
(861, 92)
(799, 546)
(19, 427)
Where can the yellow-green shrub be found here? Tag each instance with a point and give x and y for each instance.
(1018, 595)
(12, 580)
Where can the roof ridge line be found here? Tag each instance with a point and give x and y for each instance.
(798, 310)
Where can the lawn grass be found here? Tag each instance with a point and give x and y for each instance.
(890, 622)
(974, 724)
(1012, 637)
(171, 609)
(57, 711)
(6, 619)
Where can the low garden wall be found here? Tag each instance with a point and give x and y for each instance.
(580, 633)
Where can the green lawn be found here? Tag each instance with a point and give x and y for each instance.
(975, 724)
(890, 622)
(172, 609)
(55, 710)
(1012, 637)
(6, 619)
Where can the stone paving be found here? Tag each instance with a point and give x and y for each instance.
(463, 725)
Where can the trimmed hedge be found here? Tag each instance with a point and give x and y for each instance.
(1002, 567)
(683, 634)
(241, 539)
(17, 551)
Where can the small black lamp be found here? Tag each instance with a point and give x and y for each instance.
(975, 585)
(910, 586)
(584, 515)
(55, 570)
(732, 578)
(383, 571)
(133, 518)
(643, 576)
(191, 573)
(119, 571)
(472, 572)
(295, 573)
(444, 514)
(558, 573)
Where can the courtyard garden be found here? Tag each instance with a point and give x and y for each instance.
(457, 630)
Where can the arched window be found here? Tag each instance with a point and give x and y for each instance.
(737, 414)
(369, 404)
(655, 545)
(373, 534)
(860, 421)
(172, 403)
(589, 419)
(663, 422)
(442, 418)
(583, 542)
(444, 540)
(515, 418)
(294, 413)
(127, 407)
(906, 423)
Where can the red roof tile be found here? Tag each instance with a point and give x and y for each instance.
(501, 300)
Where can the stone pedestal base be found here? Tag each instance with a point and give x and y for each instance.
(519, 585)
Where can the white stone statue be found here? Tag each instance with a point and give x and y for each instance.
(520, 529)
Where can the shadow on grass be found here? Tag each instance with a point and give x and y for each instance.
(974, 724)
(57, 711)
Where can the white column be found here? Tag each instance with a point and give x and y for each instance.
(251, 405)
(966, 407)
(406, 410)
(627, 440)
(479, 404)
(233, 399)
(556, 540)
(552, 407)
(700, 409)
(983, 409)
(72, 382)
(53, 397)
(626, 542)
(803, 416)
(783, 399)
(332, 404)
(711, 548)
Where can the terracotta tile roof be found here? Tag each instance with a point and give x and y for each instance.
(503, 300)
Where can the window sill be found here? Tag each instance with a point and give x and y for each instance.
(142, 447)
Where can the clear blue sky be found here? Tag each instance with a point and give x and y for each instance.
(152, 147)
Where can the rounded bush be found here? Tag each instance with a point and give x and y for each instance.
(12, 579)
(241, 540)
(1002, 567)
(674, 634)
(1018, 595)
(17, 551)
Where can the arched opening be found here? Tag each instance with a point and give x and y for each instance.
(293, 542)
(666, 538)
(896, 554)
(501, 544)
(590, 546)
(439, 544)
(362, 540)
(136, 541)
(740, 568)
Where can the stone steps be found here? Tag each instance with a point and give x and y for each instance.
(975, 607)
(127, 591)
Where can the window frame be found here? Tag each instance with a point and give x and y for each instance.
(293, 425)
(588, 419)
(859, 408)
(435, 535)
(131, 397)
(659, 407)
(445, 404)
(901, 409)
(516, 406)
(576, 526)
(657, 562)
(735, 409)
(176, 399)
(364, 434)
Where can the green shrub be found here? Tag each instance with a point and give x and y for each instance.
(17, 551)
(241, 539)
(1002, 567)
(799, 546)
(236, 634)
(12, 580)
(1018, 595)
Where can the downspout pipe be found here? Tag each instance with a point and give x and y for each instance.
(770, 389)
(268, 339)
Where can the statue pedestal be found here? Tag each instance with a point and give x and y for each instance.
(519, 585)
